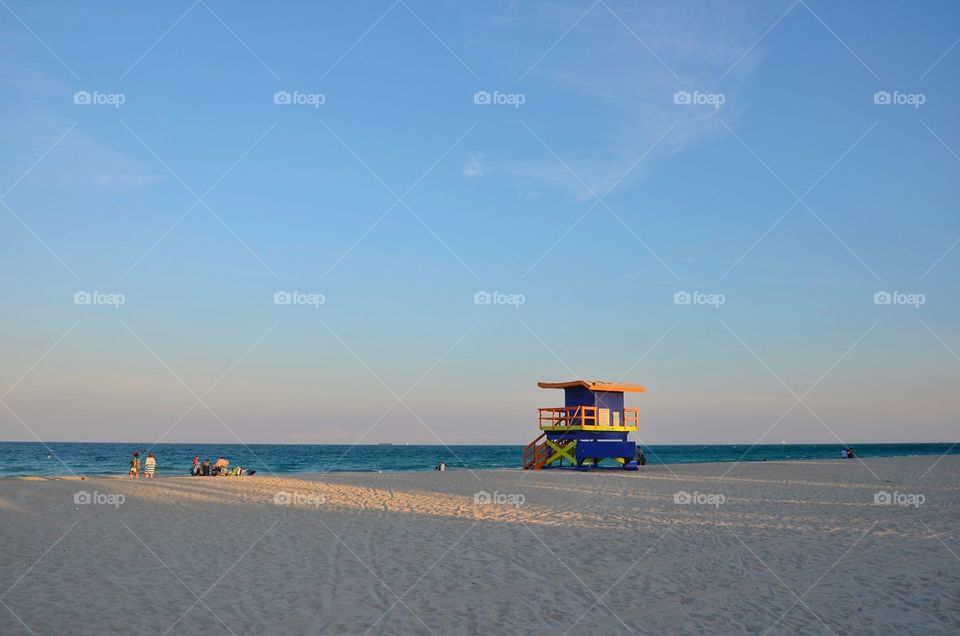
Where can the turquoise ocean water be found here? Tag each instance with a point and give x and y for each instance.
(65, 458)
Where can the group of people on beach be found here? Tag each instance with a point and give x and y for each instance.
(220, 468)
(149, 466)
(847, 453)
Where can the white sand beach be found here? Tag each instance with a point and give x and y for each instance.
(796, 548)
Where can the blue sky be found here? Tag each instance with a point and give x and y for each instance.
(584, 190)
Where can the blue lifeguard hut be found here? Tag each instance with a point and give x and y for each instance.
(591, 426)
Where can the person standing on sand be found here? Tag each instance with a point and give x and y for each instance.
(206, 467)
(641, 458)
(844, 454)
(134, 472)
(195, 469)
(149, 465)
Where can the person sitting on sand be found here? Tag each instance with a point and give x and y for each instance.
(220, 468)
(135, 466)
(641, 458)
(149, 465)
(850, 454)
(844, 454)
(206, 467)
(441, 466)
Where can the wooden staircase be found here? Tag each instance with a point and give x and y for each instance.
(535, 454)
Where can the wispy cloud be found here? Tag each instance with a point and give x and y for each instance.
(624, 65)
(81, 159)
(474, 166)
(84, 161)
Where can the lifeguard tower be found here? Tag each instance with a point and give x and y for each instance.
(591, 426)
